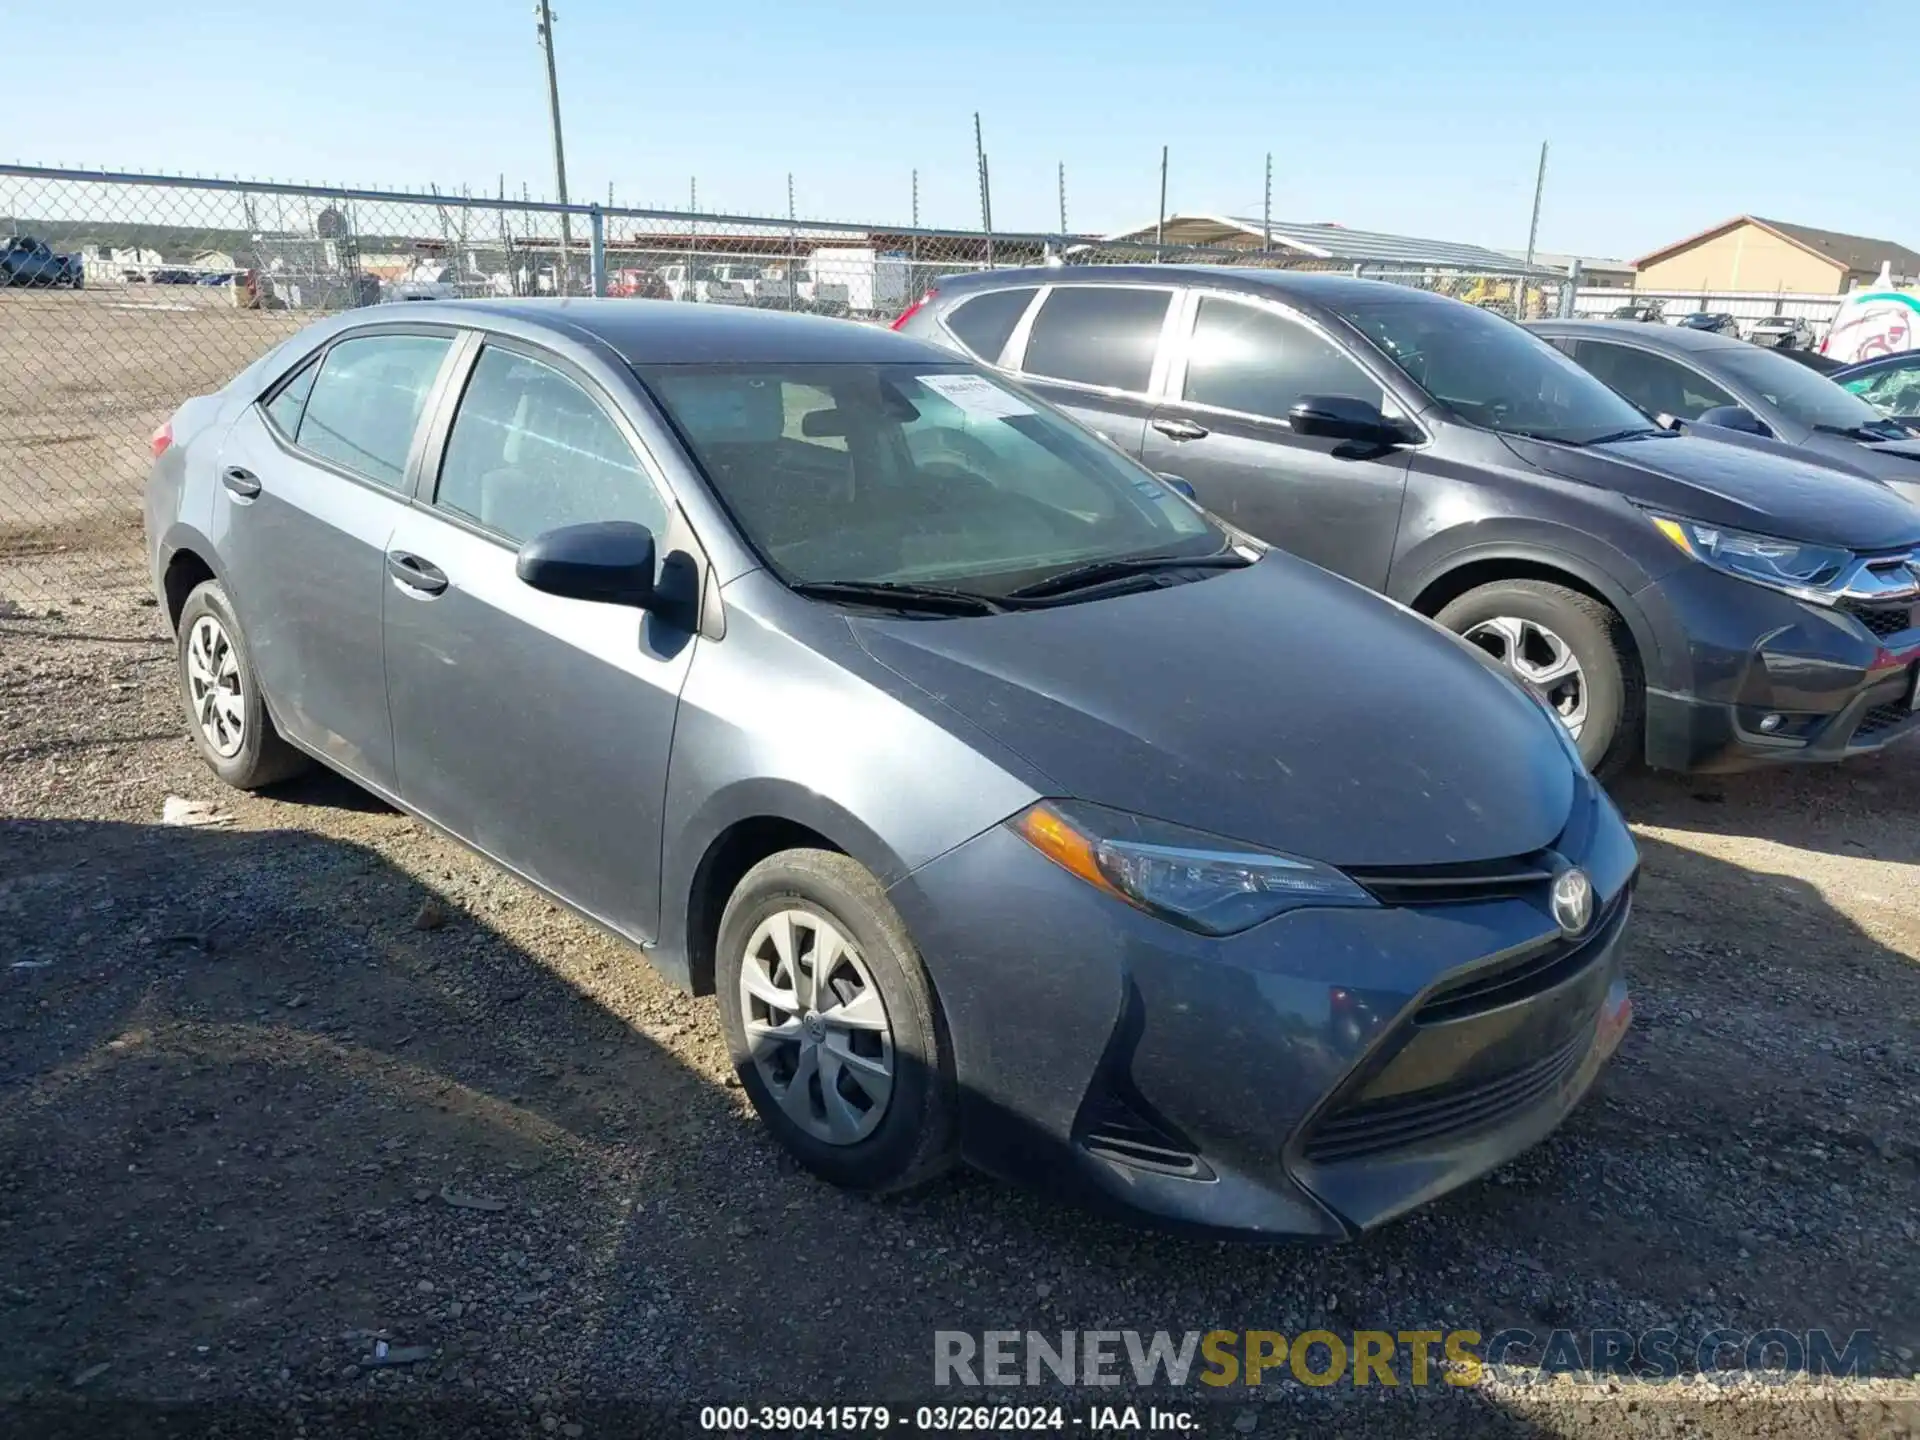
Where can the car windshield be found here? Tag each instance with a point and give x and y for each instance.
(1803, 395)
(1490, 372)
(916, 474)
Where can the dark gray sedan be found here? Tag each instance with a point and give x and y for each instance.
(1016, 811)
(1740, 392)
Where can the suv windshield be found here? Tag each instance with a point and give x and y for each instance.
(915, 475)
(1491, 373)
(1805, 395)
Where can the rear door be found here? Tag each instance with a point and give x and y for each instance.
(1095, 351)
(314, 479)
(534, 727)
(1240, 366)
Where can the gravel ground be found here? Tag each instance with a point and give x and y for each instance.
(276, 1091)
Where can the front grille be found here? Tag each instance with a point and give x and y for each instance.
(1883, 620)
(1482, 990)
(1457, 883)
(1424, 1117)
(1882, 718)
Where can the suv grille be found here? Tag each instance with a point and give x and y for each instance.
(1406, 1122)
(1883, 620)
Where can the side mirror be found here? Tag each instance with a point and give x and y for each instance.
(1184, 486)
(609, 562)
(1343, 417)
(1734, 417)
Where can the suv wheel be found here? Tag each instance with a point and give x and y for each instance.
(1570, 650)
(228, 716)
(831, 1023)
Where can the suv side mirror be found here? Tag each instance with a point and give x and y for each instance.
(1344, 417)
(1734, 417)
(608, 561)
(1180, 483)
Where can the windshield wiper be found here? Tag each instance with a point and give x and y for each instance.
(1871, 432)
(930, 598)
(1638, 432)
(1099, 572)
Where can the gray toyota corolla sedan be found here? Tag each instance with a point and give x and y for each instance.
(1016, 811)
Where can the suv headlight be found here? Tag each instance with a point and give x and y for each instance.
(1801, 570)
(1187, 877)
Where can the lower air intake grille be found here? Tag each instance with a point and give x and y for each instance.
(1881, 718)
(1424, 1117)
(1114, 1130)
(1884, 620)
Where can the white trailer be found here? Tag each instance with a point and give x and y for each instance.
(874, 283)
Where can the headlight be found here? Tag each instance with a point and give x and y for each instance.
(1192, 879)
(1801, 570)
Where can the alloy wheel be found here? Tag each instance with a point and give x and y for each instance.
(816, 1026)
(215, 689)
(1539, 660)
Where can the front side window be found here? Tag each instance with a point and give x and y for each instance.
(944, 477)
(1807, 397)
(1656, 384)
(1892, 389)
(1097, 335)
(1490, 372)
(985, 323)
(366, 402)
(530, 451)
(1245, 358)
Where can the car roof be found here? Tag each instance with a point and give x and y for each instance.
(1659, 337)
(666, 332)
(1309, 286)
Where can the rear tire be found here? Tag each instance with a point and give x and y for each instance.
(226, 713)
(783, 907)
(1528, 618)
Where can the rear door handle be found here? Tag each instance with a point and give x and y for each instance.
(415, 573)
(243, 483)
(1180, 429)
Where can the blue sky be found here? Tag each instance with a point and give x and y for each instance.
(1398, 115)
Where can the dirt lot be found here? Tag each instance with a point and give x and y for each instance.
(256, 1079)
(85, 377)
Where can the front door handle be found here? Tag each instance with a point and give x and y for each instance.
(243, 483)
(1180, 429)
(415, 573)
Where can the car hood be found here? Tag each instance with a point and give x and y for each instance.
(1753, 487)
(1277, 705)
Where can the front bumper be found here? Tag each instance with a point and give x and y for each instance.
(1731, 654)
(1312, 1077)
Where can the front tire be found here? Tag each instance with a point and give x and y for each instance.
(1572, 651)
(226, 713)
(832, 1025)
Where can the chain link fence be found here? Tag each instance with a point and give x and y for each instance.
(121, 295)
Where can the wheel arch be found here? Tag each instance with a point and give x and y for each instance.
(190, 562)
(734, 831)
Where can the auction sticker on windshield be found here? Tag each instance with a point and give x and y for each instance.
(976, 395)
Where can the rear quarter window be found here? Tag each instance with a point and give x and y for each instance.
(984, 323)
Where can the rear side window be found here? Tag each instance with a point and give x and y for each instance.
(285, 409)
(530, 450)
(1097, 335)
(1251, 360)
(1656, 384)
(366, 403)
(985, 323)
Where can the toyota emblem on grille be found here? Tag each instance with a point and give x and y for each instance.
(1572, 901)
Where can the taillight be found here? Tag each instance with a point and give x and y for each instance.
(162, 438)
(913, 309)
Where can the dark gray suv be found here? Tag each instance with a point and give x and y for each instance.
(1706, 605)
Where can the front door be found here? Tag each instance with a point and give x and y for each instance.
(312, 483)
(1246, 366)
(534, 727)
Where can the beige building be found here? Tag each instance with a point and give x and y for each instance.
(1747, 253)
